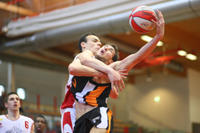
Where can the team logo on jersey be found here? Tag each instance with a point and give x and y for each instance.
(1, 119)
(74, 83)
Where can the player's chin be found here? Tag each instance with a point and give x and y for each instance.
(38, 128)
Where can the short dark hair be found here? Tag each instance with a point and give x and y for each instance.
(84, 39)
(10, 93)
(41, 116)
(116, 56)
(2, 107)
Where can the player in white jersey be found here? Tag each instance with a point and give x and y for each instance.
(88, 43)
(13, 122)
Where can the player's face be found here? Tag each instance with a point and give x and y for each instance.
(107, 52)
(13, 102)
(93, 43)
(40, 124)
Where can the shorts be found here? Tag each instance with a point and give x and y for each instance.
(99, 117)
(68, 118)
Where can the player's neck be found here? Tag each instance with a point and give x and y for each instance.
(13, 115)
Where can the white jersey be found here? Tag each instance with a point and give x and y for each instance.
(67, 109)
(21, 125)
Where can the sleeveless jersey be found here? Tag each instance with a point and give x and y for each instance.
(69, 98)
(67, 109)
(21, 125)
(86, 91)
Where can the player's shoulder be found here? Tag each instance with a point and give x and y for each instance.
(2, 116)
(86, 52)
(85, 55)
(26, 118)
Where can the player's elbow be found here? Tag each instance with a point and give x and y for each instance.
(72, 69)
(85, 61)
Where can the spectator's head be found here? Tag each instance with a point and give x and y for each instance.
(40, 124)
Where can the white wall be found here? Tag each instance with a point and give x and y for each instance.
(37, 81)
(136, 103)
(3, 73)
(194, 94)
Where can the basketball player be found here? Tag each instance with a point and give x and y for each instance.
(89, 43)
(91, 93)
(13, 122)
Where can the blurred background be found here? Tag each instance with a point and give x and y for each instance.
(38, 39)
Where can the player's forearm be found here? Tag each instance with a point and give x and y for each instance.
(87, 59)
(96, 64)
(129, 62)
(147, 48)
(81, 70)
(134, 59)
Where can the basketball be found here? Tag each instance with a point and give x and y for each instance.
(141, 18)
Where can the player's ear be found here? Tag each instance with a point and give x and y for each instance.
(83, 45)
(6, 104)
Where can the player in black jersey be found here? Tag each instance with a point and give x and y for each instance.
(89, 43)
(106, 53)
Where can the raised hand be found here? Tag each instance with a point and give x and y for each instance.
(160, 24)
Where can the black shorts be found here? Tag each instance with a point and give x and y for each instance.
(100, 117)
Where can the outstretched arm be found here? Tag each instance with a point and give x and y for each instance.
(129, 62)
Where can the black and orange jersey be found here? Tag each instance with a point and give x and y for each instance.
(86, 91)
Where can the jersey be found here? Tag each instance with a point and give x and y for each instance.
(67, 109)
(21, 125)
(69, 98)
(86, 91)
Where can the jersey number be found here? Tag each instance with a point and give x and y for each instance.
(26, 124)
